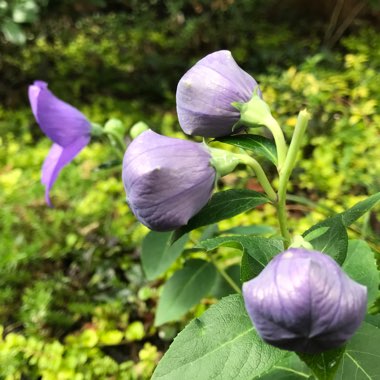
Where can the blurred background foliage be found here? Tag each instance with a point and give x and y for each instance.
(74, 302)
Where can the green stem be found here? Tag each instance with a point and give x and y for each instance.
(260, 174)
(274, 127)
(290, 161)
(117, 141)
(226, 276)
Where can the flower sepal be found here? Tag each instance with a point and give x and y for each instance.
(96, 130)
(254, 113)
(224, 162)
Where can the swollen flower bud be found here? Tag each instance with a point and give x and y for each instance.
(303, 301)
(205, 95)
(167, 180)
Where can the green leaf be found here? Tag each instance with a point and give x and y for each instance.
(325, 364)
(184, 290)
(289, 368)
(373, 320)
(221, 344)
(223, 205)
(257, 251)
(334, 239)
(316, 233)
(354, 213)
(360, 265)
(361, 360)
(260, 145)
(157, 254)
(12, 32)
(250, 230)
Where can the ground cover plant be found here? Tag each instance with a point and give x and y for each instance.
(76, 302)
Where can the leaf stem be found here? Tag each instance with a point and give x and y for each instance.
(226, 276)
(260, 174)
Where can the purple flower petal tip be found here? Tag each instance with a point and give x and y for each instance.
(167, 180)
(302, 301)
(67, 127)
(206, 92)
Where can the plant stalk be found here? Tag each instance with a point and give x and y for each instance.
(290, 161)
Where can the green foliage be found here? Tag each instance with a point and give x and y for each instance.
(14, 13)
(74, 300)
(157, 254)
(360, 265)
(261, 146)
(184, 290)
(257, 251)
(222, 343)
(361, 357)
(80, 356)
(223, 205)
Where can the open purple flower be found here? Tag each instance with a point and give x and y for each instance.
(167, 180)
(303, 301)
(67, 127)
(206, 92)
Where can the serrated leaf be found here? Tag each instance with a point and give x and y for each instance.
(354, 213)
(325, 364)
(258, 144)
(184, 290)
(223, 205)
(361, 360)
(334, 241)
(157, 254)
(257, 251)
(221, 344)
(360, 265)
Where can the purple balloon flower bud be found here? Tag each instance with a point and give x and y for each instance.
(205, 94)
(303, 301)
(167, 180)
(67, 127)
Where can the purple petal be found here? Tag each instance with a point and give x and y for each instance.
(167, 180)
(57, 158)
(60, 121)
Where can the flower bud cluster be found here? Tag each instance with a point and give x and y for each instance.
(169, 180)
(302, 301)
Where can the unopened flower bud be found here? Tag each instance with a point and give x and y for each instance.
(167, 180)
(302, 301)
(205, 95)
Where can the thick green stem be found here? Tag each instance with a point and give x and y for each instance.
(290, 161)
(255, 113)
(260, 174)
